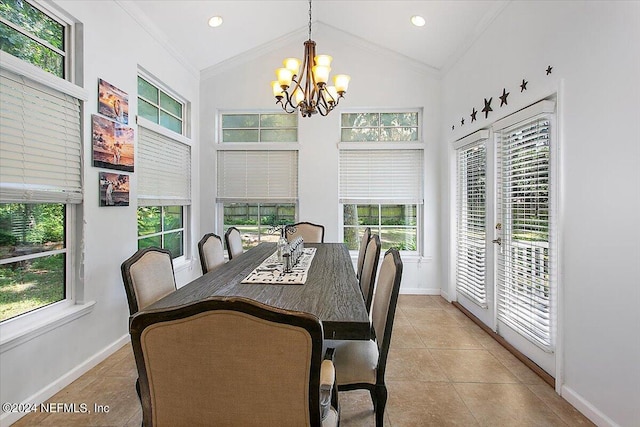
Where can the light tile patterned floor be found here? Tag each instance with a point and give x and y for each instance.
(442, 370)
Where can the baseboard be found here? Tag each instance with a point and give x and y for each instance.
(8, 418)
(419, 291)
(587, 409)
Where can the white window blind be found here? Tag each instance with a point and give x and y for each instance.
(471, 221)
(164, 166)
(40, 143)
(381, 176)
(258, 175)
(525, 274)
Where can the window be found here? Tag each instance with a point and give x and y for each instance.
(40, 162)
(159, 107)
(162, 227)
(28, 33)
(360, 127)
(381, 178)
(526, 284)
(164, 180)
(471, 159)
(271, 127)
(257, 184)
(256, 220)
(397, 225)
(33, 254)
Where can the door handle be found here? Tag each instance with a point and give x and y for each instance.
(498, 241)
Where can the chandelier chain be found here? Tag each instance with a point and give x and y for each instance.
(309, 19)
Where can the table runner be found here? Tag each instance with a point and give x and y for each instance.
(270, 270)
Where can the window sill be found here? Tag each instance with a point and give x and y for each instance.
(14, 332)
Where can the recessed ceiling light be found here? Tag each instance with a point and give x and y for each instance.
(418, 20)
(215, 21)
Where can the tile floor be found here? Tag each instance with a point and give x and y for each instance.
(442, 370)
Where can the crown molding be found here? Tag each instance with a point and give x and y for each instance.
(319, 27)
(157, 34)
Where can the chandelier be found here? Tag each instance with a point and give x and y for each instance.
(306, 88)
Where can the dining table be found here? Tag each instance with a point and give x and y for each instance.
(331, 290)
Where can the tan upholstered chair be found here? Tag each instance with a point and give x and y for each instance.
(363, 248)
(310, 233)
(211, 252)
(361, 364)
(369, 269)
(148, 276)
(233, 239)
(232, 362)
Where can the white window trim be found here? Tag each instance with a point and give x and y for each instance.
(221, 145)
(186, 107)
(30, 325)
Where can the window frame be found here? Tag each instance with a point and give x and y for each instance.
(185, 208)
(31, 324)
(265, 144)
(162, 88)
(221, 146)
(220, 210)
(387, 145)
(180, 138)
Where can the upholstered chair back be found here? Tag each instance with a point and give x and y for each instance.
(233, 240)
(148, 276)
(232, 361)
(310, 233)
(385, 300)
(211, 252)
(366, 235)
(369, 270)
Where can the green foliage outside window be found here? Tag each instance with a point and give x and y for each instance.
(274, 127)
(158, 107)
(255, 221)
(397, 225)
(33, 230)
(39, 40)
(381, 127)
(162, 227)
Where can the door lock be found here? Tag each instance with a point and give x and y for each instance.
(498, 241)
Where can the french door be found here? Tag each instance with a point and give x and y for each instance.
(508, 246)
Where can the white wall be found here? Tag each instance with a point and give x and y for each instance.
(114, 45)
(594, 48)
(395, 82)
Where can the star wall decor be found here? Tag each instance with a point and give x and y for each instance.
(453, 127)
(503, 98)
(473, 115)
(549, 68)
(523, 86)
(462, 121)
(487, 107)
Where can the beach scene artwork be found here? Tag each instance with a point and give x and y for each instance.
(114, 189)
(113, 102)
(112, 144)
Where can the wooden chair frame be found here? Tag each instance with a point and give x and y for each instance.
(201, 251)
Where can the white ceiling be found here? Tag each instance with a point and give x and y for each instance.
(450, 29)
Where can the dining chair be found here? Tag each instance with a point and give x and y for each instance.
(366, 235)
(362, 364)
(233, 239)
(233, 361)
(148, 276)
(310, 233)
(211, 252)
(369, 269)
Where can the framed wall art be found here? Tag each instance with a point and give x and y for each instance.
(112, 144)
(113, 102)
(114, 189)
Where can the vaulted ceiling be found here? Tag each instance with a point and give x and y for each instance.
(451, 26)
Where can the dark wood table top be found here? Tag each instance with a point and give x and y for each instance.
(331, 292)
